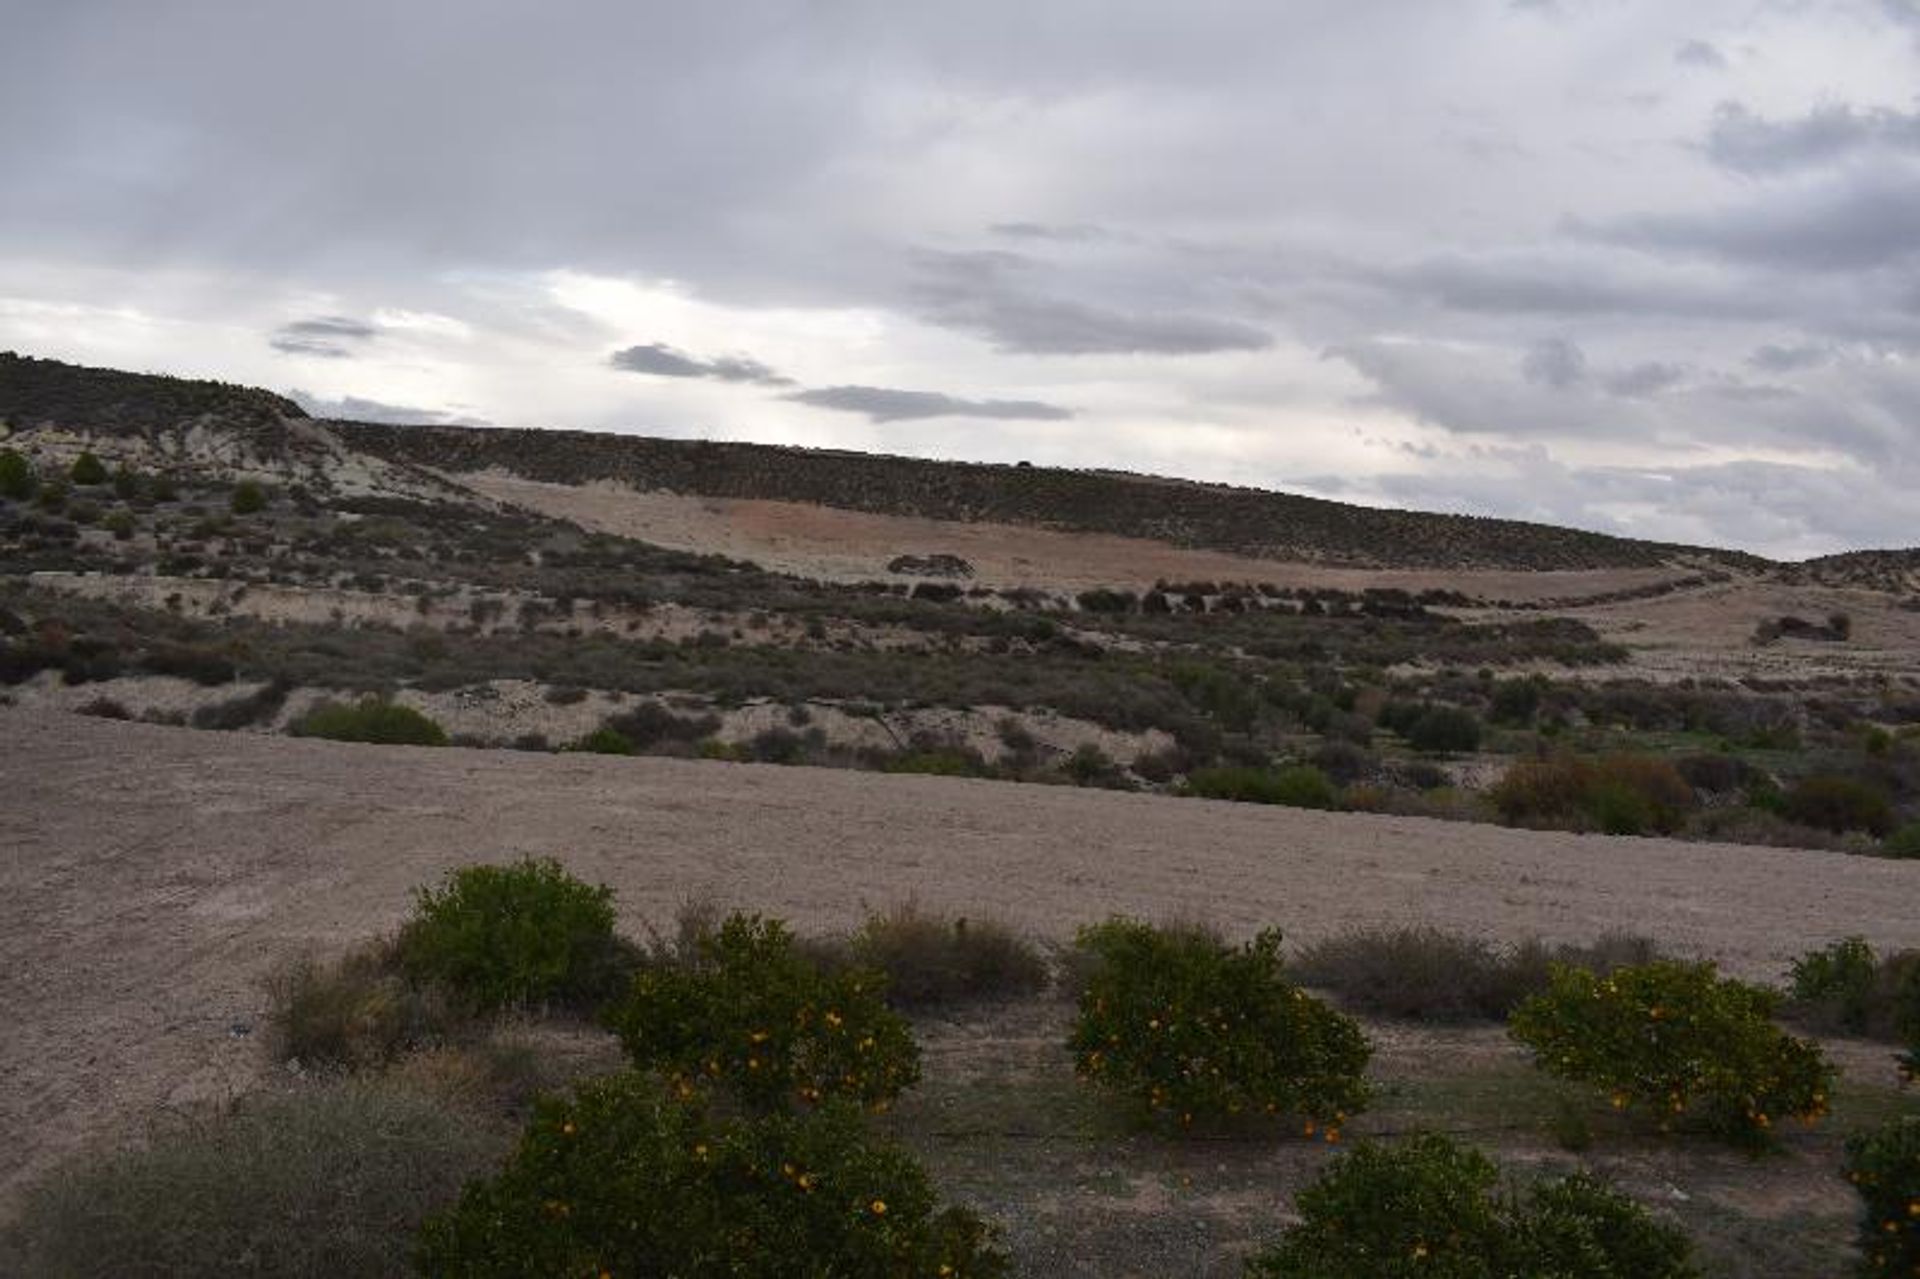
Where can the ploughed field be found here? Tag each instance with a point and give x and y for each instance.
(154, 877)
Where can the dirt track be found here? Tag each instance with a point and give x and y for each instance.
(150, 877)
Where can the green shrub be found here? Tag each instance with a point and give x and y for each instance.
(88, 470)
(121, 524)
(748, 1011)
(1904, 842)
(1615, 794)
(359, 1010)
(1429, 1207)
(1193, 1029)
(930, 960)
(323, 1181)
(605, 741)
(372, 719)
(1842, 977)
(1884, 1166)
(622, 1180)
(1302, 786)
(1429, 975)
(248, 498)
(529, 933)
(1838, 804)
(1444, 730)
(17, 481)
(1848, 988)
(1516, 701)
(1680, 1040)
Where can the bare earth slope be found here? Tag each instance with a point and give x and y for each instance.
(152, 877)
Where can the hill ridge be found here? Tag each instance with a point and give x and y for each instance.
(41, 393)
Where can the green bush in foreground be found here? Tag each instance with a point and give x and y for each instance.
(1196, 1030)
(372, 719)
(324, 1181)
(1429, 1207)
(503, 936)
(1884, 1166)
(749, 1011)
(623, 1180)
(1680, 1040)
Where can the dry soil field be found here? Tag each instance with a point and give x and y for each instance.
(152, 877)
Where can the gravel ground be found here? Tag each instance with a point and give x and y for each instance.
(151, 877)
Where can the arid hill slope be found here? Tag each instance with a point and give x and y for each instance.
(172, 417)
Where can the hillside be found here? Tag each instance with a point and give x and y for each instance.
(42, 394)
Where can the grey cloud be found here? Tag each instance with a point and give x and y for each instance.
(1074, 233)
(352, 408)
(1863, 222)
(332, 337)
(1699, 53)
(661, 360)
(1055, 326)
(1641, 380)
(1567, 282)
(1002, 297)
(1476, 394)
(884, 404)
(1777, 358)
(1554, 362)
(1743, 141)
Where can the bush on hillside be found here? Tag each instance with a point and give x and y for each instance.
(1838, 804)
(523, 934)
(624, 1180)
(17, 480)
(1679, 1040)
(605, 741)
(1444, 730)
(747, 1010)
(1302, 786)
(1427, 1206)
(249, 498)
(372, 719)
(1904, 843)
(1195, 1030)
(1614, 794)
(88, 470)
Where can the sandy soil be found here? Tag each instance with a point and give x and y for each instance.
(1708, 632)
(153, 877)
(837, 545)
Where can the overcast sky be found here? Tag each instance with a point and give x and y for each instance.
(1647, 267)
